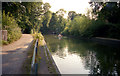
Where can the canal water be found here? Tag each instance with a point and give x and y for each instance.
(77, 56)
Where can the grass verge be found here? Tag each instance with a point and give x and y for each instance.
(51, 67)
(27, 63)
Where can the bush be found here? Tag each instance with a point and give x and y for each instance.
(4, 42)
(10, 24)
(38, 36)
(114, 31)
(82, 26)
(96, 28)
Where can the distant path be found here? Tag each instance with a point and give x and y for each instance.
(14, 54)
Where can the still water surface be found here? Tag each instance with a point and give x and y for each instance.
(76, 56)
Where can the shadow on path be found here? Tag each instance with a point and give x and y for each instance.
(14, 55)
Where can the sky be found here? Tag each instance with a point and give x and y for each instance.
(79, 6)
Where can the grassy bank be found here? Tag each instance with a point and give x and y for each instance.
(27, 64)
(49, 62)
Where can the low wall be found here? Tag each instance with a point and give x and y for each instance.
(106, 41)
(52, 60)
(3, 33)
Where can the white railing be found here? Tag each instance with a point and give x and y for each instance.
(33, 58)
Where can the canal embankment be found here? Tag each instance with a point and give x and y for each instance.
(46, 64)
(42, 69)
(106, 41)
(101, 40)
(52, 67)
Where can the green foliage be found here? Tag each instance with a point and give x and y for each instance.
(34, 17)
(9, 24)
(72, 15)
(77, 26)
(0, 19)
(96, 28)
(82, 26)
(46, 21)
(114, 31)
(4, 42)
(60, 21)
(38, 36)
(26, 14)
(46, 7)
(61, 12)
(46, 18)
(111, 16)
(53, 22)
(108, 11)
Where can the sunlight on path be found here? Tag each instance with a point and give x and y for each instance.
(14, 54)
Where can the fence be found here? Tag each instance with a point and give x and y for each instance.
(34, 64)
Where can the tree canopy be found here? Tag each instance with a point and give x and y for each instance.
(36, 17)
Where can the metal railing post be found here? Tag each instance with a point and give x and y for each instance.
(33, 65)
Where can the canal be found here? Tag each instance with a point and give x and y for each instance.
(77, 56)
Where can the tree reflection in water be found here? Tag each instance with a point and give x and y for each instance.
(99, 59)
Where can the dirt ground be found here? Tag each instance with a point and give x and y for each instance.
(14, 55)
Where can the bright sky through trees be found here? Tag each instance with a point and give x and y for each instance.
(79, 6)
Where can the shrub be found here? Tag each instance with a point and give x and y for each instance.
(96, 28)
(10, 24)
(4, 42)
(38, 36)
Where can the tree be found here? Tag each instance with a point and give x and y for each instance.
(61, 12)
(46, 7)
(108, 11)
(71, 15)
(61, 21)
(53, 23)
(46, 18)
(27, 14)
(35, 13)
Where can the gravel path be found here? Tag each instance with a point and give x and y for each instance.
(14, 54)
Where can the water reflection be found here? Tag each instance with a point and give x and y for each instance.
(66, 60)
(84, 57)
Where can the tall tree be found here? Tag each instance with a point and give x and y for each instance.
(46, 18)
(46, 7)
(53, 23)
(27, 14)
(61, 21)
(71, 15)
(108, 11)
